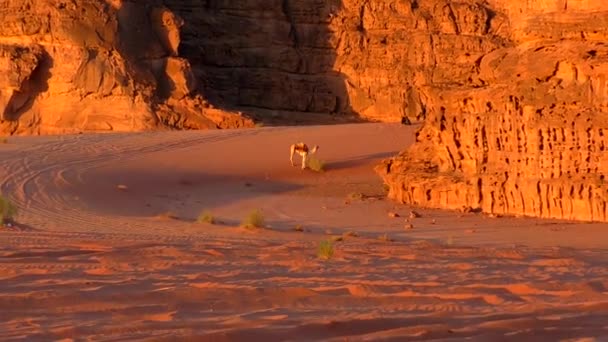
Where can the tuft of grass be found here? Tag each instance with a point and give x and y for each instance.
(206, 217)
(3, 140)
(299, 228)
(255, 219)
(8, 210)
(325, 250)
(315, 164)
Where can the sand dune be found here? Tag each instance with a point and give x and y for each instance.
(107, 247)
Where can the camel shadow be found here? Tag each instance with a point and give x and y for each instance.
(358, 161)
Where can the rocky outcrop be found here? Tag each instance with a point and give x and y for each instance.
(528, 136)
(131, 65)
(378, 60)
(72, 66)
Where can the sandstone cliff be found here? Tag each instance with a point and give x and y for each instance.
(378, 60)
(72, 66)
(130, 65)
(528, 135)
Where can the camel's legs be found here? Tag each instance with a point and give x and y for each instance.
(304, 160)
(292, 150)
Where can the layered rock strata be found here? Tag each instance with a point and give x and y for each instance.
(379, 60)
(73, 66)
(530, 137)
(130, 65)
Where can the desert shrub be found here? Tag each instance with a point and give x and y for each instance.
(206, 217)
(8, 210)
(315, 164)
(255, 219)
(325, 250)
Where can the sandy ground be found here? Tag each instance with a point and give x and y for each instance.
(108, 248)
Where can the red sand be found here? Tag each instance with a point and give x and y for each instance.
(108, 248)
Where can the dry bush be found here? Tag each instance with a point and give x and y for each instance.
(315, 164)
(255, 219)
(8, 210)
(206, 217)
(325, 250)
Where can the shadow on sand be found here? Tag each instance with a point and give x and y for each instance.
(358, 161)
(160, 192)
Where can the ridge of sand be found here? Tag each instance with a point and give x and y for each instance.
(98, 256)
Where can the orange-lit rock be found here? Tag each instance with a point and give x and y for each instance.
(113, 64)
(69, 66)
(529, 136)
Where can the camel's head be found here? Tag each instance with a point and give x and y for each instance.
(314, 149)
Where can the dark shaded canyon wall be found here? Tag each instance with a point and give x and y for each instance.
(530, 138)
(380, 60)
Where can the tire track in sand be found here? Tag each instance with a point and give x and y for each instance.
(32, 173)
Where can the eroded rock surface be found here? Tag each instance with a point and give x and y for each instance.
(529, 135)
(130, 65)
(73, 66)
(379, 60)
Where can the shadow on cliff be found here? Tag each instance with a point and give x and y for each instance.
(279, 72)
(23, 99)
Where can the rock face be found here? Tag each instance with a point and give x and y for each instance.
(133, 65)
(527, 133)
(73, 66)
(376, 59)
